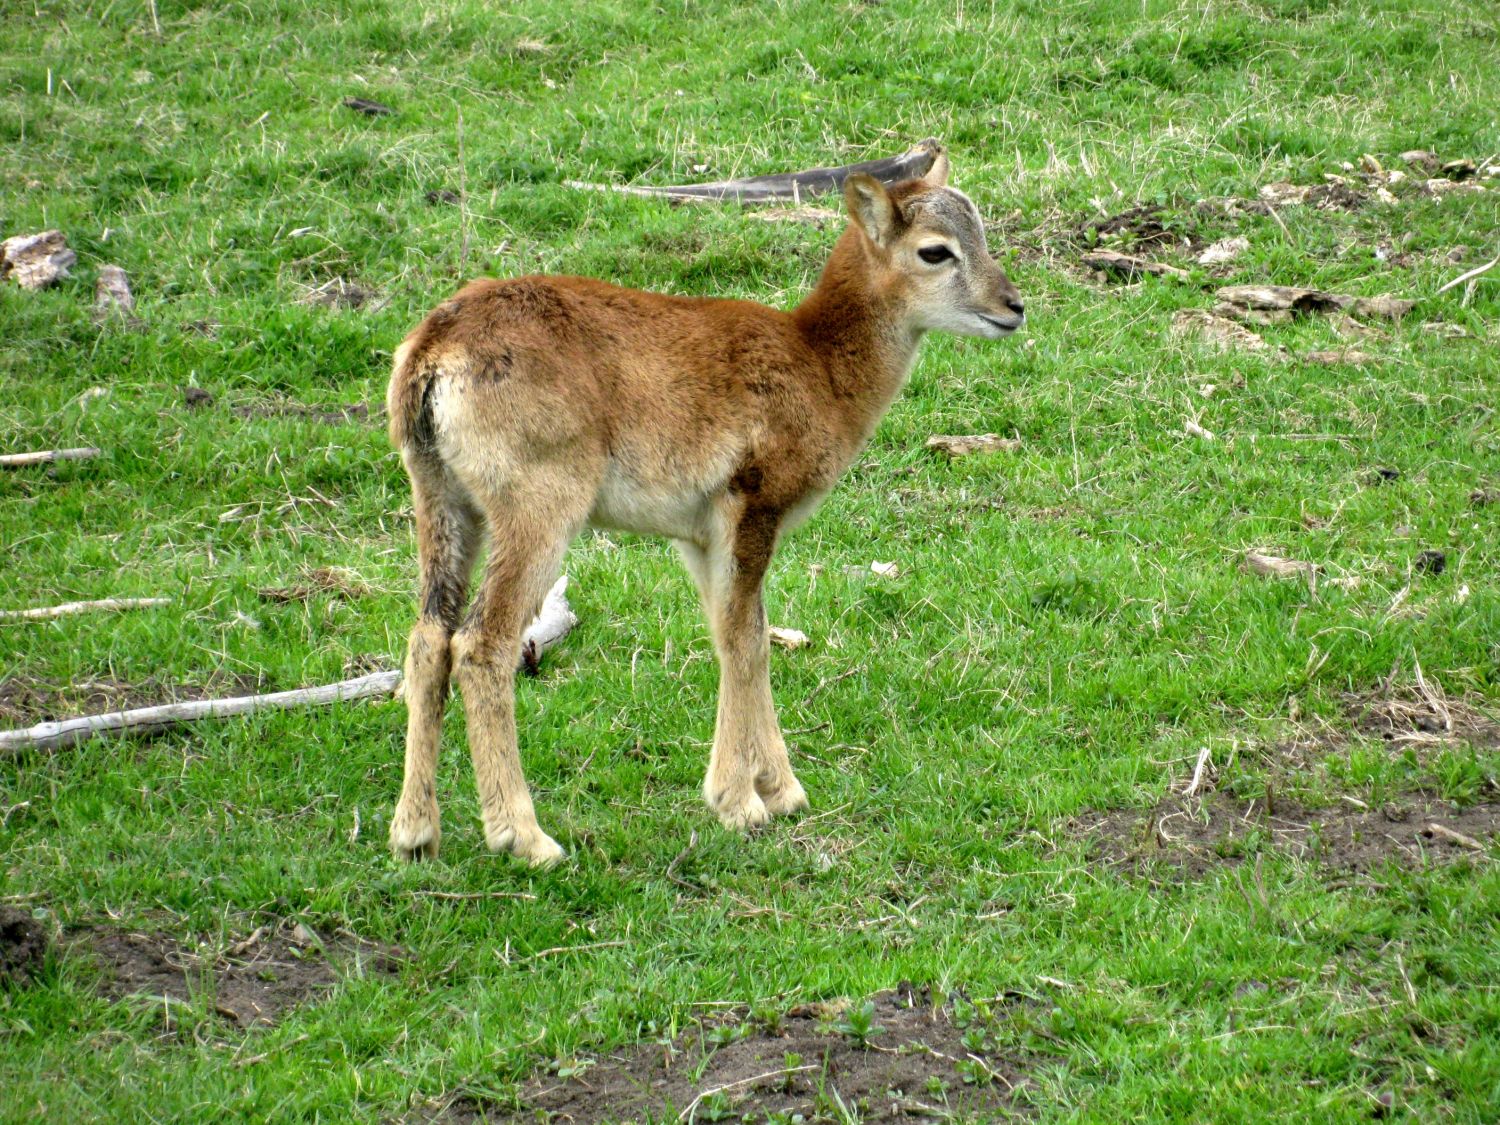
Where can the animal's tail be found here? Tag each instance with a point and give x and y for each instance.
(407, 399)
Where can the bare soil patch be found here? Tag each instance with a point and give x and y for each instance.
(1138, 226)
(25, 700)
(251, 981)
(23, 946)
(1420, 714)
(916, 1062)
(1199, 835)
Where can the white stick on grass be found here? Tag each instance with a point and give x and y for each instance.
(550, 626)
(46, 456)
(1473, 273)
(49, 611)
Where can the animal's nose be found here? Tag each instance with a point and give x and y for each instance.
(1017, 305)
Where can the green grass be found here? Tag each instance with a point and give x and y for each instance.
(1069, 627)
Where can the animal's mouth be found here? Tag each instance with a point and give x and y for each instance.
(1003, 327)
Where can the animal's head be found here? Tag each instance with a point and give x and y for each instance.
(926, 242)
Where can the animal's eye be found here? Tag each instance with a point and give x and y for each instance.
(932, 255)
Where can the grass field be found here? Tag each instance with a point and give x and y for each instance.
(1071, 625)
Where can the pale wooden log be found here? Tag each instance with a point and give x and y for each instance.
(550, 626)
(68, 732)
(910, 165)
(48, 611)
(961, 445)
(44, 456)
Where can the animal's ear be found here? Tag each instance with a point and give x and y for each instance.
(871, 207)
(937, 175)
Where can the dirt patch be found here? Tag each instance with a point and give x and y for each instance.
(25, 700)
(903, 1055)
(1138, 226)
(1196, 836)
(341, 293)
(1420, 714)
(251, 981)
(337, 580)
(23, 946)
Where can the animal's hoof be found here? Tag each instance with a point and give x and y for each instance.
(415, 833)
(739, 810)
(783, 796)
(532, 845)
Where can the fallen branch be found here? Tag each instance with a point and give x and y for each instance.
(44, 456)
(1128, 267)
(1453, 837)
(550, 626)
(1273, 567)
(912, 164)
(1473, 273)
(961, 445)
(66, 608)
(69, 732)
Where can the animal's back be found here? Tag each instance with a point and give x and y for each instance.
(635, 355)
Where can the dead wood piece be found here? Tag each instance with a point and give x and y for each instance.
(1224, 251)
(1216, 329)
(112, 296)
(1284, 194)
(36, 261)
(1127, 267)
(1341, 356)
(912, 164)
(1263, 318)
(46, 612)
(1280, 302)
(46, 456)
(1442, 831)
(1460, 169)
(1470, 275)
(1441, 187)
(68, 732)
(961, 445)
(1271, 566)
(1390, 308)
(1282, 298)
(790, 639)
(550, 625)
(1194, 429)
(1334, 196)
(367, 107)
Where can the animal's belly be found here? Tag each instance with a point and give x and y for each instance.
(628, 505)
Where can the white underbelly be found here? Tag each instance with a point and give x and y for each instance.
(624, 504)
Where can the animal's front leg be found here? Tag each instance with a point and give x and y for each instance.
(749, 778)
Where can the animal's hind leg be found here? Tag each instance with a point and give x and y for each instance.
(528, 536)
(447, 537)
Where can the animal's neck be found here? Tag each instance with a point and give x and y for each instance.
(866, 344)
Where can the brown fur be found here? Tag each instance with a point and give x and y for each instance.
(529, 407)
